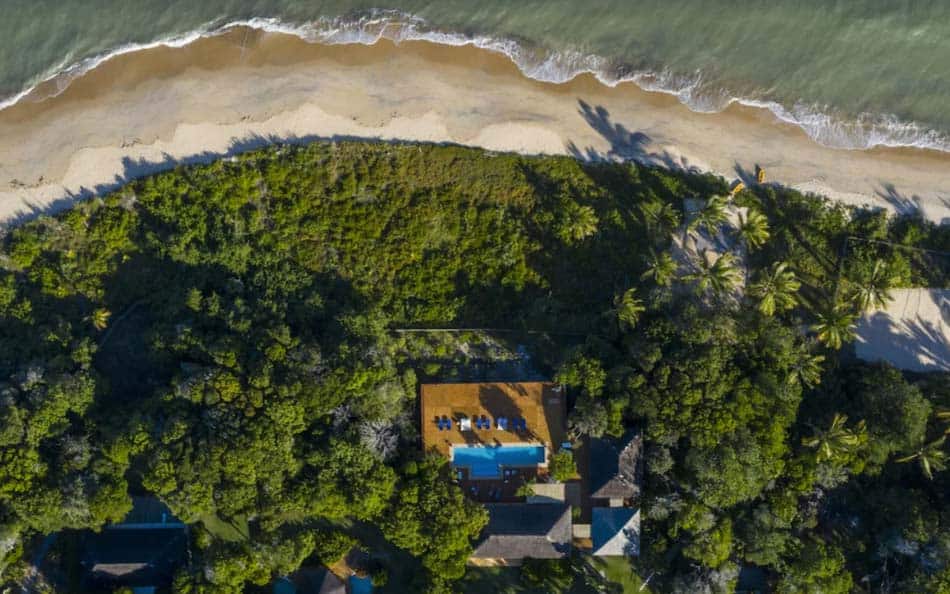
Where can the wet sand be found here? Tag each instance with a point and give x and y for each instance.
(147, 111)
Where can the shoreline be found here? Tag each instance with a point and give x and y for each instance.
(148, 110)
(863, 132)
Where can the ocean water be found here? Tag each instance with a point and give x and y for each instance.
(852, 73)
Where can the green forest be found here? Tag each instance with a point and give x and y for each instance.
(224, 337)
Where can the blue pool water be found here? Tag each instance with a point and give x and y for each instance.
(361, 585)
(486, 462)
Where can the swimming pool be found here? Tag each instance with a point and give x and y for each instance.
(361, 585)
(486, 461)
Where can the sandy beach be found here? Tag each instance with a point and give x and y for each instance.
(912, 332)
(146, 111)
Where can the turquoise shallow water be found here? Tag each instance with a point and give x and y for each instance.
(853, 74)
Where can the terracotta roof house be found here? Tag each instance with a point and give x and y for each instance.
(615, 531)
(516, 531)
(616, 468)
(499, 436)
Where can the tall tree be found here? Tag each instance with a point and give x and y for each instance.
(837, 440)
(99, 318)
(753, 228)
(931, 456)
(776, 289)
(835, 326)
(819, 568)
(710, 217)
(628, 308)
(660, 218)
(578, 222)
(719, 275)
(432, 519)
(661, 268)
(807, 367)
(588, 418)
(872, 289)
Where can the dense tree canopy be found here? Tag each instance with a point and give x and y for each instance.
(223, 337)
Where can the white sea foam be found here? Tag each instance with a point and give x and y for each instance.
(864, 132)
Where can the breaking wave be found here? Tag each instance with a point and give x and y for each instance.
(543, 64)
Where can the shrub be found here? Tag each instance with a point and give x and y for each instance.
(562, 467)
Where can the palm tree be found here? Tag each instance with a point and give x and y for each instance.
(944, 417)
(931, 456)
(661, 268)
(710, 217)
(100, 318)
(837, 440)
(753, 228)
(580, 222)
(628, 307)
(720, 276)
(874, 289)
(806, 369)
(661, 218)
(776, 289)
(835, 327)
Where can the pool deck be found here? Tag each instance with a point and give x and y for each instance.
(541, 404)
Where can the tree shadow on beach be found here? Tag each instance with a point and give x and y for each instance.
(908, 205)
(910, 343)
(902, 203)
(746, 176)
(624, 144)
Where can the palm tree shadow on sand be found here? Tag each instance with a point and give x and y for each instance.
(912, 343)
(623, 144)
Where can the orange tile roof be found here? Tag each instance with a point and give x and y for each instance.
(541, 404)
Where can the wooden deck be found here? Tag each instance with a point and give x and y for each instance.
(541, 404)
(499, 490)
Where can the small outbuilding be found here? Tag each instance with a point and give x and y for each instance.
(615, 469)
(615, 531)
